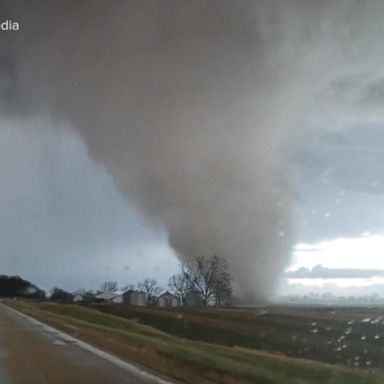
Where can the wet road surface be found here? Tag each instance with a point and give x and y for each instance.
(31, 353)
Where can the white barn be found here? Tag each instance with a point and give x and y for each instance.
(77, 299)
(135, 298)
(106, 296)
(167, 299)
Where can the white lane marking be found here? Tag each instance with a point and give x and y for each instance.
(59, 342)
(98, 352)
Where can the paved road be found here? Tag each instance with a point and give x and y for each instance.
(33, 354)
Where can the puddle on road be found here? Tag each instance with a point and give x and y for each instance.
(59, 342)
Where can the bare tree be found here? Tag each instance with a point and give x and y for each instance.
(88, 295)
(108, 286)
(179, 284)
(222, 286)
(61, 296)
(128, 287)
(150, 287)
(210, 278)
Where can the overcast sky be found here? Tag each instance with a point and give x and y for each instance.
(60, 212)
(339, 180)
(63, 222)
(249, 129)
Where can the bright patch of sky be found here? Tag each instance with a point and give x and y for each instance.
(364, 253)
(342, 283)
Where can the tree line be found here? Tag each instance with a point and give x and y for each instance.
(15, 286)
(205, 280)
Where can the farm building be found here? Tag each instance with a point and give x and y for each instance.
(105, 296)
(138, 298)
(167, 299)
(119, 299)
(77, 299)
(135, 298)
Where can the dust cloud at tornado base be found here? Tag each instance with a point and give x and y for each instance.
(194, 107)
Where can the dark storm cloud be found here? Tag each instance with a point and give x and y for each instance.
(340, 182)
(193, 107)
(349, 161)
(167, 105)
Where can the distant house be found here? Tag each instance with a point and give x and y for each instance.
(118, 299)
(105, 296)
(130, 297)
(167, 299)
(78, 299)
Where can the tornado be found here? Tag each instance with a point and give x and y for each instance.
(194, 107)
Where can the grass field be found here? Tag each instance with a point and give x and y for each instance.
(348, 336)
(228, 346)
